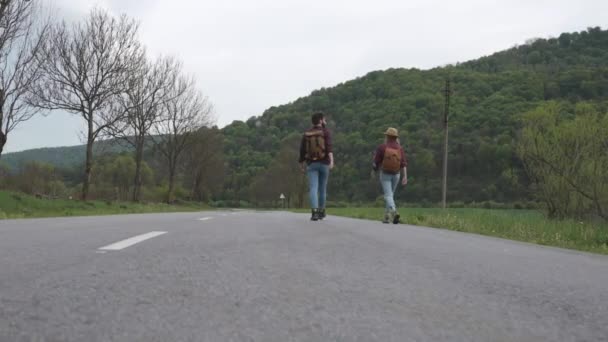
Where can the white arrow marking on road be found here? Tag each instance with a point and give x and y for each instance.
(130, 241)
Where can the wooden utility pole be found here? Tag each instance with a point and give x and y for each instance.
(445, 144)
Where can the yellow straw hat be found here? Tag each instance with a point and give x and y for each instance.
(392, 132)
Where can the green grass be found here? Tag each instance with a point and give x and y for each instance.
(522, 225)
(16, 205)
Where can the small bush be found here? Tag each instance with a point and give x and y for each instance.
(426, 204)
(178, 201)
(379, 202)
(457, 204)
(337, 204)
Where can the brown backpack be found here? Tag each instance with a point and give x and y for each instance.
(315, 145)
(392, 160)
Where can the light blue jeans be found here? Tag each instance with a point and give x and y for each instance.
(389, 184)
(317, 184)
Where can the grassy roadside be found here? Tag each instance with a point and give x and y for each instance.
(521, 225)
(14, 205)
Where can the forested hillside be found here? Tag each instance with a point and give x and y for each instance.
(586, 49)
(489, 95)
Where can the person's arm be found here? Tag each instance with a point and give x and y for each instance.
(378, 156)
(302, 159)
(404, 167)
(329, 148)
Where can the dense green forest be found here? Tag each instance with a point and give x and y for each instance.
(490, 96)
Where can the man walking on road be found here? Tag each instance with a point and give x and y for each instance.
(390, 160)
(316, 159)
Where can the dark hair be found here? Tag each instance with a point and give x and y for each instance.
(317, 117)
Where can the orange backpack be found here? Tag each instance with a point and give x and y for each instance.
(392, 160)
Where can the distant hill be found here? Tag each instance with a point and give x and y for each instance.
(61, 157)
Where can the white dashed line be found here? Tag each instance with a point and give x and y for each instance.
(130, 241)
(205, 218)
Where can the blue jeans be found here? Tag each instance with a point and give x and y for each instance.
(389, 184)
(317, 184)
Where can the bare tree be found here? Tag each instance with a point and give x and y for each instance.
(84, 69)
(22, 35)
(186, 111)
(204, 163)
(147, 92)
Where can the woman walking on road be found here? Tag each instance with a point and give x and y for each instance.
(390, 160)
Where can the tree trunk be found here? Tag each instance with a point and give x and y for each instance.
(196, 188)
(137, 182)
(139, 154)
(2, 142)
(171, 183)
(3, 135)
(88, 163)
(87, 171)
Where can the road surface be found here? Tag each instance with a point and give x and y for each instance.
(254, 276)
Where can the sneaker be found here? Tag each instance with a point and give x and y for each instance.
(396, 217)
(387, 218)
(321, 214)
(315, 215)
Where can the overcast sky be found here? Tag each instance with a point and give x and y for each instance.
(249, 55)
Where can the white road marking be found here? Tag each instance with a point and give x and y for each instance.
(130, 241)
(205, 218)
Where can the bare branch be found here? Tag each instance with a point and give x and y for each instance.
(85, 68)
(23, 32)
(148, 89)
(185, 112)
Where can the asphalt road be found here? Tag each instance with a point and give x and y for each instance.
(246, 276)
